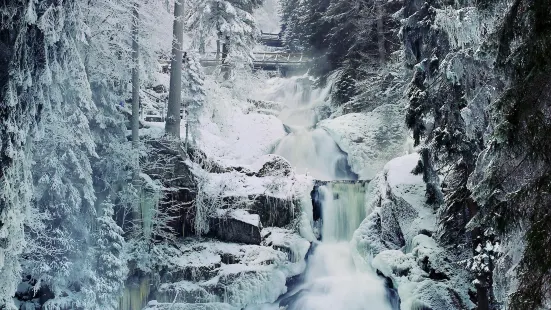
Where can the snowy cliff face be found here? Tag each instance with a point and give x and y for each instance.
(397, 239)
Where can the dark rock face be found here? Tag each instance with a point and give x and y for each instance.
(228, 227)
(392, 292)
(167, 163)
(273, 211)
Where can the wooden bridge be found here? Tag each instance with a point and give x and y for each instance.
(270, 61)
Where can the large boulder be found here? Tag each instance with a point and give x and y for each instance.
(236, 225)
(168, 163)
(201, 270)
(273, 211)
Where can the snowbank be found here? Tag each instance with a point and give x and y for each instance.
(370, 139)
(246, 138)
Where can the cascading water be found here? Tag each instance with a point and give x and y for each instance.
(332, 280)
(314, 152)
(309, 149)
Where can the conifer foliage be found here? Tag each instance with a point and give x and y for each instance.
(230, 22)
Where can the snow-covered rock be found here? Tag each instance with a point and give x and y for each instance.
(370, 139)
(268, 188)
(235, 225)
(205, 271)
(287, 241)
(398, 234)
(396, 207)
(194, 306)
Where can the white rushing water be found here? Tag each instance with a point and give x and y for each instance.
(310, 150)
(332, 281)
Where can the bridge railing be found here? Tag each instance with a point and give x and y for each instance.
(264, 58)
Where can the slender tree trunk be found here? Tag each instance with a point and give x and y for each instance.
(218, 48)
(225, 52)
(172, 126)
(187, 134)
(135, 123)
(202, 48)
(135, 79)
(381, 32)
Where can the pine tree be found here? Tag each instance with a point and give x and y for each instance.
(110, 261)
(229, 21)
(195, 96)
(64, 191)
(37, 39)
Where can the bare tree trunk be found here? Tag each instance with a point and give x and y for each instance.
(381, 32)
(202, 47)
(135, 79)
(135, 123)
(172, 126)
(187, 135)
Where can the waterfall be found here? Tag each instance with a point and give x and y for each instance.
(332, 280)
(316, 153)
(343, 209)
(309, 149)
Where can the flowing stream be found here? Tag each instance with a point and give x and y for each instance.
(332, 280)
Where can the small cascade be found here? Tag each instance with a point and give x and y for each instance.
(343, 209)
(316, 153)
(309, 149)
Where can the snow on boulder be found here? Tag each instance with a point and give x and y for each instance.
(236, 226)
(243, 285)
(370, 139)
(397, 207)
(287, 241)
(275, 196)
(274, 165)
(207, 271)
